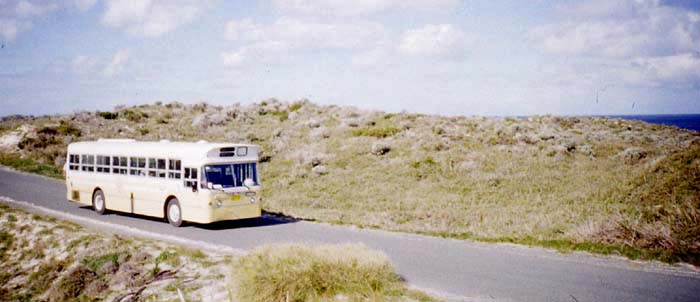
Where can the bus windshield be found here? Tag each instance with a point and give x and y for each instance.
(231, 175)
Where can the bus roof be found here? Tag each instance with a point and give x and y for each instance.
(191, 151)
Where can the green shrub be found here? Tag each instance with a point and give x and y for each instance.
(40, 280)
(47, 131)
(28, 165)
(40, 142)
(295, 107)
(66, 128)
(94, 263)
(283, 115)
(72, 285)
(380, 132)
(108, 115)
(6, 241)
(134, 115)
(303, 273)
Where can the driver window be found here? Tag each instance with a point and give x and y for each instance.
(190, 177)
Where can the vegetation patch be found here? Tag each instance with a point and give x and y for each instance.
(108, 115)
(29, 165)
(380, 132)
(6, 241)
(321, 273)
(70, 270)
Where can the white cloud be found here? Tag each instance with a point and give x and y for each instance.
(233, 58)
(442, 40)
(151, 17)
(25, 8)
(117, 64)
(9, 28)
(17, 16)
(621, 29)
(83, 64)
(675, 69)
(377, 57)
(84, 5)
(642, 42)
(290, 34)
(244, 30)
(346, 8)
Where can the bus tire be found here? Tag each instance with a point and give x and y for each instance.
(174, 212)
(98, 202)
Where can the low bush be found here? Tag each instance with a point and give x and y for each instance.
(380, 132)
(321, 273)
(29, 165)
(40, 142)
(134, 115)
(283, 115)
(108, 115)
(295, 107)
(66, 128)
(6, 241)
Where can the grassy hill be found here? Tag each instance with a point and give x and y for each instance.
(596, 184)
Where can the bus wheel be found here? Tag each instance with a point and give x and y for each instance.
(98, 202)
(174, 213)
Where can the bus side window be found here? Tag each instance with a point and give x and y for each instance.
(74, 162)
(87, 163)
(119, 164)
(152, 167)
(190, 177)
(174, 168)
(103, 164)
(137, 166)
(161, 168)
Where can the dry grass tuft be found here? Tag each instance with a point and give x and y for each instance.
(349, 272)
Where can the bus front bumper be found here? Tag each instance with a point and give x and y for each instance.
(229, 212)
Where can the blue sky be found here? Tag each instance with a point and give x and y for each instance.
(429, 56)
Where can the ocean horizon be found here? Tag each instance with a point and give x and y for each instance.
(685, 121)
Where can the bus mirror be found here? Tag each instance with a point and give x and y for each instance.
(210, 186)
(248, 183)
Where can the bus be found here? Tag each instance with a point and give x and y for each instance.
(199, 182)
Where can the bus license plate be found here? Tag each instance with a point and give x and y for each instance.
(236, 197)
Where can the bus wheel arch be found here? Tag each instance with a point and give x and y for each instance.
(172, 211)
(99, 203)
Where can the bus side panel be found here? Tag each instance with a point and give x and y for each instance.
(195, 207)
(83, 184)
(148, 198)
(116, 197)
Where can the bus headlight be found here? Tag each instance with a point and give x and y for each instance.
(252, 200)
(218, 203)
(249, 194)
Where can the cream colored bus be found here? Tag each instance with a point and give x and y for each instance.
(180, 181)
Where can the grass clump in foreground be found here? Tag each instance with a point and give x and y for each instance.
(349, 272)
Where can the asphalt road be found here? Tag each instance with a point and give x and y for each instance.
(463, 270)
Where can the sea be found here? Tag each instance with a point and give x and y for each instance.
(687, 121)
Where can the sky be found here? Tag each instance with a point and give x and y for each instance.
(447, 57)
